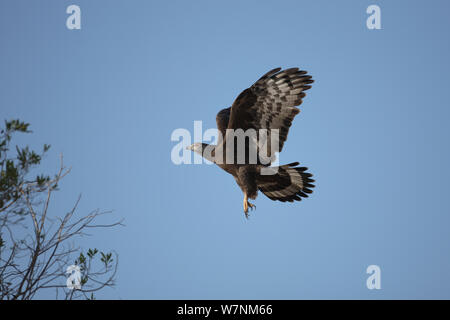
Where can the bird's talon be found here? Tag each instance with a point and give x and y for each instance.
(247, 205)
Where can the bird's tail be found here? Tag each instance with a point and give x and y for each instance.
(289, 183)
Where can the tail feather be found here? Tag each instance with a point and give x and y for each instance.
(290, 183)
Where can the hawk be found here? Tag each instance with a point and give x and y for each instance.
(267, 108)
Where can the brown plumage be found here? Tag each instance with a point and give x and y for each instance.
(269, 106)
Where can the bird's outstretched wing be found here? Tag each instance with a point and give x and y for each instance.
(222, 119)
(270, 103)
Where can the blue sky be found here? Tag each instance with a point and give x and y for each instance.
(373, 130)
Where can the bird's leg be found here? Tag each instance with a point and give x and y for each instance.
(247, 205)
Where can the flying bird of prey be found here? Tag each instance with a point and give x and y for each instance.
(270, 105)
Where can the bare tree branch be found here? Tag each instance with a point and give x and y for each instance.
(36, 247)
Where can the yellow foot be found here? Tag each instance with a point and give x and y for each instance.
(247, 205)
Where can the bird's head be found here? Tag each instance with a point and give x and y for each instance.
(203, 150)
(196, 147)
